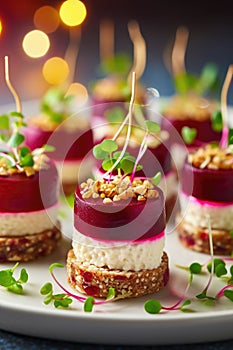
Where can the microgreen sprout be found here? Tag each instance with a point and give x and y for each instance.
(59, 300)
(63, 300)
(188, 134)
(15, 153)
(200, 84)
(122, 161)
(215, 267)
(12, 284)
(216, 121)
(56, 104)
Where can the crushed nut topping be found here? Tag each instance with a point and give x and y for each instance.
(189, 107)
(118, 189)
(212, 157)
(39, 163)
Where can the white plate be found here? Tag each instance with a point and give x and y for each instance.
(122, 322)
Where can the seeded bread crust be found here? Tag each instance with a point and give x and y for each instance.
(96, 282)
(197, 238)
(29, 247)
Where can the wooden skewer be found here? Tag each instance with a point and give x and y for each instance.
(11, 88)
(72, 51)
(106, 39)
(225, 88)
(179, 50)
(139, 50)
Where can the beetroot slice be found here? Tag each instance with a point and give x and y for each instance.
(68, 144)
(208, 184)
(205, 132)
(119, 221)
(20, 193)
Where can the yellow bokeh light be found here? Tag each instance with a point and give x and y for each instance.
(0, 26)
(73, 12)
(46, 18)
(55, 70)
(80, 93)
(36, 43)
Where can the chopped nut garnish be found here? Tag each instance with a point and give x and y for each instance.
(39, 163)
(212, 157)
(118, 189)
(193, 107)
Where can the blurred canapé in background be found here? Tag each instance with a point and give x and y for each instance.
(210, 40)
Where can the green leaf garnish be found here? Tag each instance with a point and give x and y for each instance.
(152, 306)
(115, 115)
(157, 178)
(56, 105)
(188, 134)
(185, 82)
(195, 268)
(6, 278)
(201, 85)
(88, 305)
(46, 288)
(26, 161)
(216, 263)
(16, 155)
(109, 146)
(229, 294)
(152, 126)
(183, 307)
(127, 165)
(216, 121)
(16, 140)
(17, 114)
(207, 79)
(111, 294)
(12, 284)
(4, 122)
(107, 164)
(119, 64)
(61, 300)
(99, 153)
(23, 276)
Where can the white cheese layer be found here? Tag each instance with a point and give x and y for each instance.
(196, 213)
(69, 170)
(123, 256)
(20, 224)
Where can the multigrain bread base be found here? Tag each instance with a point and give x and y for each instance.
(96, 281)
(197, 238)
(29, 247)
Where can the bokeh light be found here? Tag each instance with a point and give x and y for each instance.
(73, 12)
(55, 70)
(0, 26)
(80, 93)
(36, 43)
(47, 19)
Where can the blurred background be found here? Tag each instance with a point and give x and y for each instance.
(210, 40)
